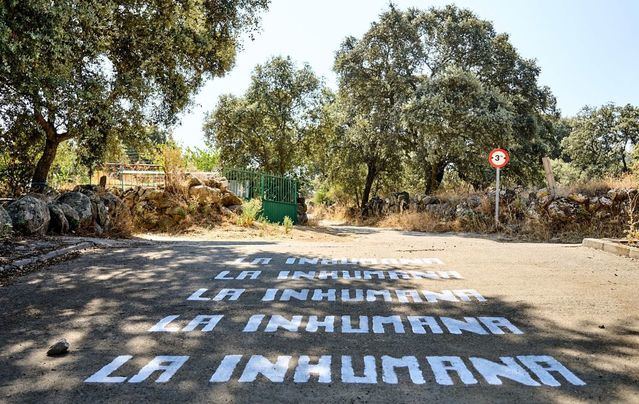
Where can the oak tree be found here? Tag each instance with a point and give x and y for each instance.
(92, 69)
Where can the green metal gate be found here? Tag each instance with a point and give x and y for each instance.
(277, 193)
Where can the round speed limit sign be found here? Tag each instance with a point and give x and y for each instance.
(498, 158)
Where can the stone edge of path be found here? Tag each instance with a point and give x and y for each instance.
(43, 259)
(610, 246)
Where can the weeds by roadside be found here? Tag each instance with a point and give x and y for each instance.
(250, 213)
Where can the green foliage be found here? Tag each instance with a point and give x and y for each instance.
(270, 127)
(94, 69)
(567, 173)
(250, 212)
(66, 170)
(439, 89)
(602, 138)
(288, 224)
(454, 119)
(18, 147)
(202, 159)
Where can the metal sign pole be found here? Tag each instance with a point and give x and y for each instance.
(497, 197)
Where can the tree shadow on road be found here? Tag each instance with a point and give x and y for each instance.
(105, 304)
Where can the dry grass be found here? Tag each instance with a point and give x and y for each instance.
(598, 186)
(414, 221)
(336, 213)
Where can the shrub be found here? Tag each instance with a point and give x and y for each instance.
(173, 164)
(288, 224)
(250, 213)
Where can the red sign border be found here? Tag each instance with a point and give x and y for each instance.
(490, 161)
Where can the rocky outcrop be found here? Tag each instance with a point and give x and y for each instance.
(230, 199)
(72, 216)
(205, 194)
(201, 201)
(29, 216)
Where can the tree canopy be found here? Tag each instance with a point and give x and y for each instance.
(602, 138)
(93, 69)
(271, 126)
(444, 87)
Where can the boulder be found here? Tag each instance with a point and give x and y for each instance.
(29, 215)
(98, 209)
(605, 201)
(220, 183)
(73, 218)
(237, 209)
(561, 210)
(617, 194)
(578, 198)
(101, 213)
(473, 201)
(193, 182)
(5, 223)
(81, 204)
(118, 211)
(111, 202)
(230, 199)
(205, 194)
(59, 223)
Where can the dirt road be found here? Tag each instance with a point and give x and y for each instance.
(367, 315)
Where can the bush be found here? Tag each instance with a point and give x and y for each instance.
(288, 224)
(250, 212)
(173, 164)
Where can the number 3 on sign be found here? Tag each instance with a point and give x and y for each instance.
(498, 158)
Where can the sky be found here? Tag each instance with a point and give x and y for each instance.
(588, 50)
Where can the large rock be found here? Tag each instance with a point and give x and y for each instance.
(29, 215)
(81, 204)
(578, 198)
(230, 199)
(72, 216)
(193, 182)
(59, 223)
(220, 183)
(5, 223)
(205, 194)
(99, 211)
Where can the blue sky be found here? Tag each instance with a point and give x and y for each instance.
(588, 50)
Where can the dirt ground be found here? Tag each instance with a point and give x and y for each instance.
(576, 305)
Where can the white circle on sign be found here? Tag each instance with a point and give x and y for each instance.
(498, 158)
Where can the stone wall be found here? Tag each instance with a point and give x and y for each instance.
(604, 213)
(93, 210)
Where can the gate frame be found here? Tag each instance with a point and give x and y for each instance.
(278, 194)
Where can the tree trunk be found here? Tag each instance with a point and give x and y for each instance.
(623, 161)
(41, 172)
(434, 176)
(370, 178)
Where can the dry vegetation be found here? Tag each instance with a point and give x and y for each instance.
(515, 222)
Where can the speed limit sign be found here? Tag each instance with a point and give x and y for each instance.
(498, 158)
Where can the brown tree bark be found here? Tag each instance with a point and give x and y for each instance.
(53, 140)
(434, 177)
(43, 167)
(368, 185)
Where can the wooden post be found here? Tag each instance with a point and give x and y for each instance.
(550, 178)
